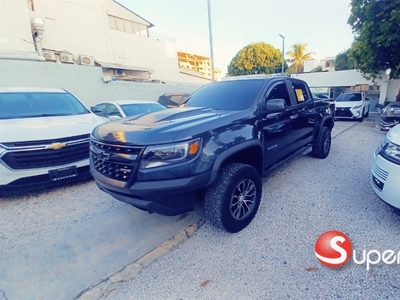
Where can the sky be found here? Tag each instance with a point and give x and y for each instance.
(321, 24)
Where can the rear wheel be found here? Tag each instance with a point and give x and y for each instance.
(233, 200)
(322, 144)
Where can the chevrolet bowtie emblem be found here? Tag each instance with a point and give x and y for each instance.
(56, 146)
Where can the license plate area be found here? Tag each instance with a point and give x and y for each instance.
(64, 173)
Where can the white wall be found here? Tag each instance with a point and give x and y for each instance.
(84, 81)
(15, 30)
(393, 89)
(335, 79)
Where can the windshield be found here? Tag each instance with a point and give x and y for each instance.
(349, 97)
(226, 95)
(39, 104)
(141, 108)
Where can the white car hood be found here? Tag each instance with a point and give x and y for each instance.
(347, 103)
(44, 128)
(394, 135)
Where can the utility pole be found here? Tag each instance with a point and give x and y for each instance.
(283, 53)
(211, 41)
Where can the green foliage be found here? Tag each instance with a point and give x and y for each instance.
(344, 61)
(316, 69)
(376, 24)
(256, 58)
(298, 54)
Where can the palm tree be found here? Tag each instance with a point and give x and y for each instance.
(298, 54)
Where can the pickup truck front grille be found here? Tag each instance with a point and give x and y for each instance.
(115, 161)
(114, 170)
(46, 153)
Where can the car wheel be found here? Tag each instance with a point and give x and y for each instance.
(362, 117)
(367, 114)
(322, 144)
(233, 200)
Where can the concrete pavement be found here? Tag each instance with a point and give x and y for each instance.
(84, 261)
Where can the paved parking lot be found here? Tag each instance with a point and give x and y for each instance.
(54, 245)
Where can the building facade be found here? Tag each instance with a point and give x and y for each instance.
(198, 63)
(92, 33)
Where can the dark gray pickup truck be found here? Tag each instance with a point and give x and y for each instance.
(219, 145)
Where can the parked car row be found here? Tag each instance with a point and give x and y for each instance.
(45, 134)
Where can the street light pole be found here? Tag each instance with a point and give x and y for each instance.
(283, 53)
(211, 41)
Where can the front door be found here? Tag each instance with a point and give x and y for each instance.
(277, 128)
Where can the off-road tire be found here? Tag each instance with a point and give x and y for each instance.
(237, 190)
(322, 145)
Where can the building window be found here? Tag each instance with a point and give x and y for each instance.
(120, 24)
(128, 26)
(112, 21)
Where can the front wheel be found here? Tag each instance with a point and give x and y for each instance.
(233, 200)
(322, 145)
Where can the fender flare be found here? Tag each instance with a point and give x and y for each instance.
(228, 153)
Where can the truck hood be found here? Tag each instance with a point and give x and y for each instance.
(347, 103)
(44, 128)
(394, 135)
(165, 126)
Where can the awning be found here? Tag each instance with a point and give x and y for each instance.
(123, 67)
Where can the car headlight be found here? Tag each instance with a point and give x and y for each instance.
(357, 107)
(381, 145)
(162, 155)
(394, 111)
(391, 152)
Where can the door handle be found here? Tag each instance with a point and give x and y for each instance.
(294, 116)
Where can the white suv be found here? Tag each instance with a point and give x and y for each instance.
(44, 137)
(352, 105)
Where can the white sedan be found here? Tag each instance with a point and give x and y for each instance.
(385, 168)
(114, 110)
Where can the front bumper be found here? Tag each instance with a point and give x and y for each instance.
(385, 178)
(348, 113)
(165, 197)
(388, 123)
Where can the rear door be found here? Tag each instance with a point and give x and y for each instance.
(303, 121)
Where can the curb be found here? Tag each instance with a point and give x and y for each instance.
(105, 288)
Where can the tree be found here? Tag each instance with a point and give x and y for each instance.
(317, 69)
(344, 61)
(256, 58)
(298, 54)
(376, 48)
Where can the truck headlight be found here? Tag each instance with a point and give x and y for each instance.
(162, 155)
(391, 152)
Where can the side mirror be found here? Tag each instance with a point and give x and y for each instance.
(275, 106)
(114, 118)
(95, 109)
(366, 98)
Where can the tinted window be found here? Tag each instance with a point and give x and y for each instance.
(300, 91)
(349, 97)
(226, 95)
(37, 104)
(138, 109)
(279, 91)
